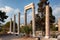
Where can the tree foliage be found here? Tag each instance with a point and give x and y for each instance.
(3, 16)
(26, 29)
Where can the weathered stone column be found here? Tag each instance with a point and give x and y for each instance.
(18, 23)
(33, 20)
(47, 22)
(14, 23)
(25, 17)
(59, 25)
(10, 25)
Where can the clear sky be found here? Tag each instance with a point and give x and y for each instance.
(12, 7)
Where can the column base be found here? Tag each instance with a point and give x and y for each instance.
(33, 35)
(18, 32)
(47, 37)
(9, 32)
(12, 33)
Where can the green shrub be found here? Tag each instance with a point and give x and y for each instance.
(26, 29)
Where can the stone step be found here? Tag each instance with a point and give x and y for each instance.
(49, 39)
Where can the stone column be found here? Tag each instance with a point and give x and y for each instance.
(25, 17)
(18, 23)
(10, 25)
(47, 22)
(33, 20)
(14, 23)
(59, 25)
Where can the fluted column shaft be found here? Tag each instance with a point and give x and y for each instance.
(10, 25)
(25, 18)
(47, 22)
(18, 23)
(14, 23)
(59, 25)
(33, 20)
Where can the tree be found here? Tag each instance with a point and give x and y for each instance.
(3, 16)
(37, 21)
(41, 13)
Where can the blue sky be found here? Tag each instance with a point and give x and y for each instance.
(12, 7)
